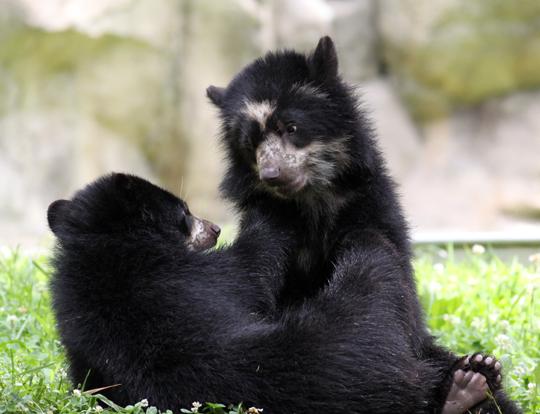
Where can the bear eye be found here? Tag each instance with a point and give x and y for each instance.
(291, 129)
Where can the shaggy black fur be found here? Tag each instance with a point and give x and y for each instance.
(348, 217)
(137, 308)
(313, 309)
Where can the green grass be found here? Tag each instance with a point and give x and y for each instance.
(479, 303)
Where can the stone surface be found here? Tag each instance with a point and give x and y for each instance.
(299, 24)
(92, 86)
(294, 24)
(455, 53)
(36, 170)
(355, 30)
(109, 65)
(398, 137)
(126, 18)
(479, 169)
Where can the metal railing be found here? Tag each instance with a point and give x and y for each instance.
(495, 239)
(506, 246)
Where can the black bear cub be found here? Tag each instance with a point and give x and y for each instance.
(141, 306)
(300, 146)
(144, 309)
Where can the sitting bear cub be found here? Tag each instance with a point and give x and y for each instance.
(299, 145)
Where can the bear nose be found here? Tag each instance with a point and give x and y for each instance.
(269, 174)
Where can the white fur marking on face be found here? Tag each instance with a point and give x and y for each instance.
(318, 161)
(259, 111)
(197, 231)
(326, 159)
(273, 151)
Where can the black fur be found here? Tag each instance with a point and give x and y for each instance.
(136, 308)
(313, 309)
(357, 211)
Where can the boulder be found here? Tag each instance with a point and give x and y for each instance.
(397, 135)
(299, 24)
(456, 53)
(479, 169)
(355, 31)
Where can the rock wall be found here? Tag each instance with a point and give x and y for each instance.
(90, 87)
(450, 54)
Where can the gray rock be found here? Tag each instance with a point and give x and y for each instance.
(452, 54)
(397, 135)
(300, 24)
(355, 31)
(88, 87)
(479, 169)
(128, 79)
(48, 155)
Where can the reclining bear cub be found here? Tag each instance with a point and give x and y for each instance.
(142, 307)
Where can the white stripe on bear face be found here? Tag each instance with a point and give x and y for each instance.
(259, 111)
(325, 160)
(273, 151)
(197, 232)
(317, 163)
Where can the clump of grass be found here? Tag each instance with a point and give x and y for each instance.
(480, 303)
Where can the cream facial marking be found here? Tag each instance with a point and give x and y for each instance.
(325, 160)
(316, 163)
(273, 151)
(284, 160)
(259, 111)
(197, 232)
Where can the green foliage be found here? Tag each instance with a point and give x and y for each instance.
(485, 304)
(478, 304)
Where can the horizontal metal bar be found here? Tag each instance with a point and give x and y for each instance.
(510, 239)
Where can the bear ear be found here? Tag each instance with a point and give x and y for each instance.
(323, 63)
(216, 95)
(57, 213)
